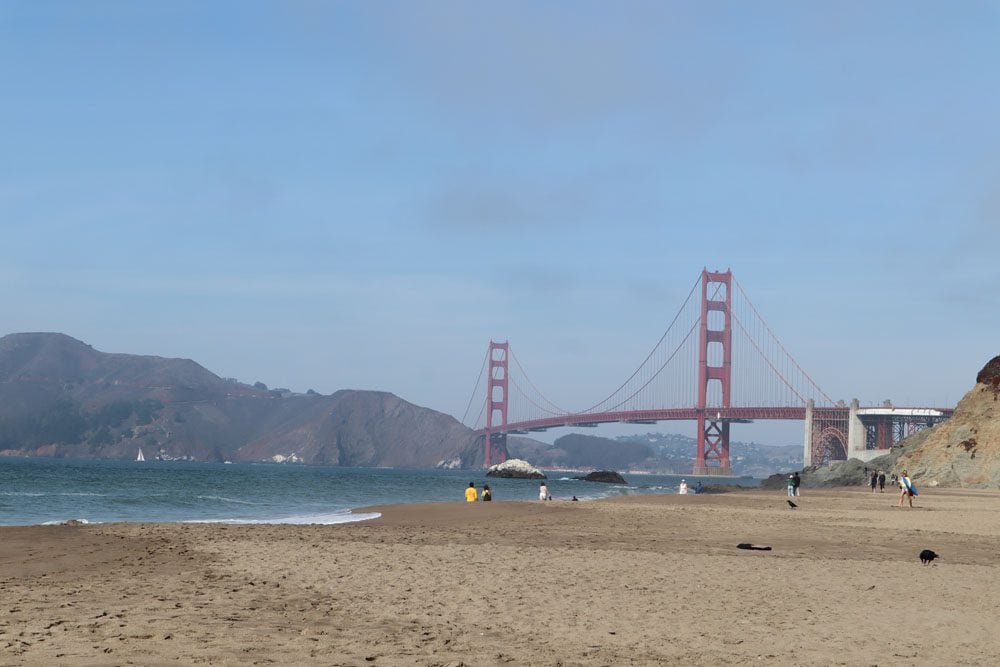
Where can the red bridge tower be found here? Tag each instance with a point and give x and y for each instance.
(712, 457)
(496, 404)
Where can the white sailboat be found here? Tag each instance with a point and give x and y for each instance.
(140, 457)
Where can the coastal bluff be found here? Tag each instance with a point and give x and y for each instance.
(963, 451)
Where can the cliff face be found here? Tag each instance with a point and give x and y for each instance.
(965, 450)
(61, 397)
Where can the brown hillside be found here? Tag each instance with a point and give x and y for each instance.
(965, 450)
(61, 397)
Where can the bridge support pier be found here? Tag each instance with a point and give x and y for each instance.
(713, 445)
(856, 435)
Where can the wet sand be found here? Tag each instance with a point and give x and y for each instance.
(632, 581)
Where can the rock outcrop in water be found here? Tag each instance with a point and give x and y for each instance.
(515, 468)
(61, 397)
(605, 476)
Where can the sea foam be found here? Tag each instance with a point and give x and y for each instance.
(301, 520)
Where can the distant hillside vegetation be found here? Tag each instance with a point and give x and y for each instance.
(653, 452)
(61, 397)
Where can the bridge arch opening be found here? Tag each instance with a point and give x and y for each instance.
(831, 445)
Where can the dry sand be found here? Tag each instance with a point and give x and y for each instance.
(632, 581)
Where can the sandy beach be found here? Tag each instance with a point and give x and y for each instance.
(631, 581)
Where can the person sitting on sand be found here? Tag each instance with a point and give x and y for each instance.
(487, 496)
(700, 488)
(905, 489)
(543, 492)
(470, 493)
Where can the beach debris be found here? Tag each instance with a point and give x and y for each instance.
(792, 505)
(926, 556)
(753, 547)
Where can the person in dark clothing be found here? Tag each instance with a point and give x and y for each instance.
(487, 495)
(881, 482)
(874, 480)
(798, 482)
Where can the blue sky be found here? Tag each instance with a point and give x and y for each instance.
(360, 195)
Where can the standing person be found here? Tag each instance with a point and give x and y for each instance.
(798, 482)
(905, 489)
(791, 486)
(470, 493)
(874, 480)
(881, 481)
(543, 492)
(683, 488)
(892, 480)
(487, 496)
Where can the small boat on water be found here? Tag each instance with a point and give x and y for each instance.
(140, 457)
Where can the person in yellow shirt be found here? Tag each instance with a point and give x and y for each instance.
(470, 493)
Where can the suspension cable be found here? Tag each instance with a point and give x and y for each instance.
(768, 361)
(658, 371)
(778, 341)
(651, 352)
(473, 397)
(537, 390)
(526, 397)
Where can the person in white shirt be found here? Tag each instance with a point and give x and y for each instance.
(683, 488)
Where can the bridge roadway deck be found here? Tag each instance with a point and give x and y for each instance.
(672, 414)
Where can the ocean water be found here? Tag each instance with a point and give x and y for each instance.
(41, 491)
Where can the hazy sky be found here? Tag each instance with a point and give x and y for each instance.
(336, 195)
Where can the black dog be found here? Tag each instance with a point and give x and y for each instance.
(927, 556)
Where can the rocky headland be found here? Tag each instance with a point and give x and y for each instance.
(963, 451)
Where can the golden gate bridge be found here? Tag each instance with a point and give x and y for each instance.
(717, 364)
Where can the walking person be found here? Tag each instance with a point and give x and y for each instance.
(905, 489)
(791, 486)
(881, 481)
(471, 495)
(874, 480)
(543, 492)
(798, 482)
